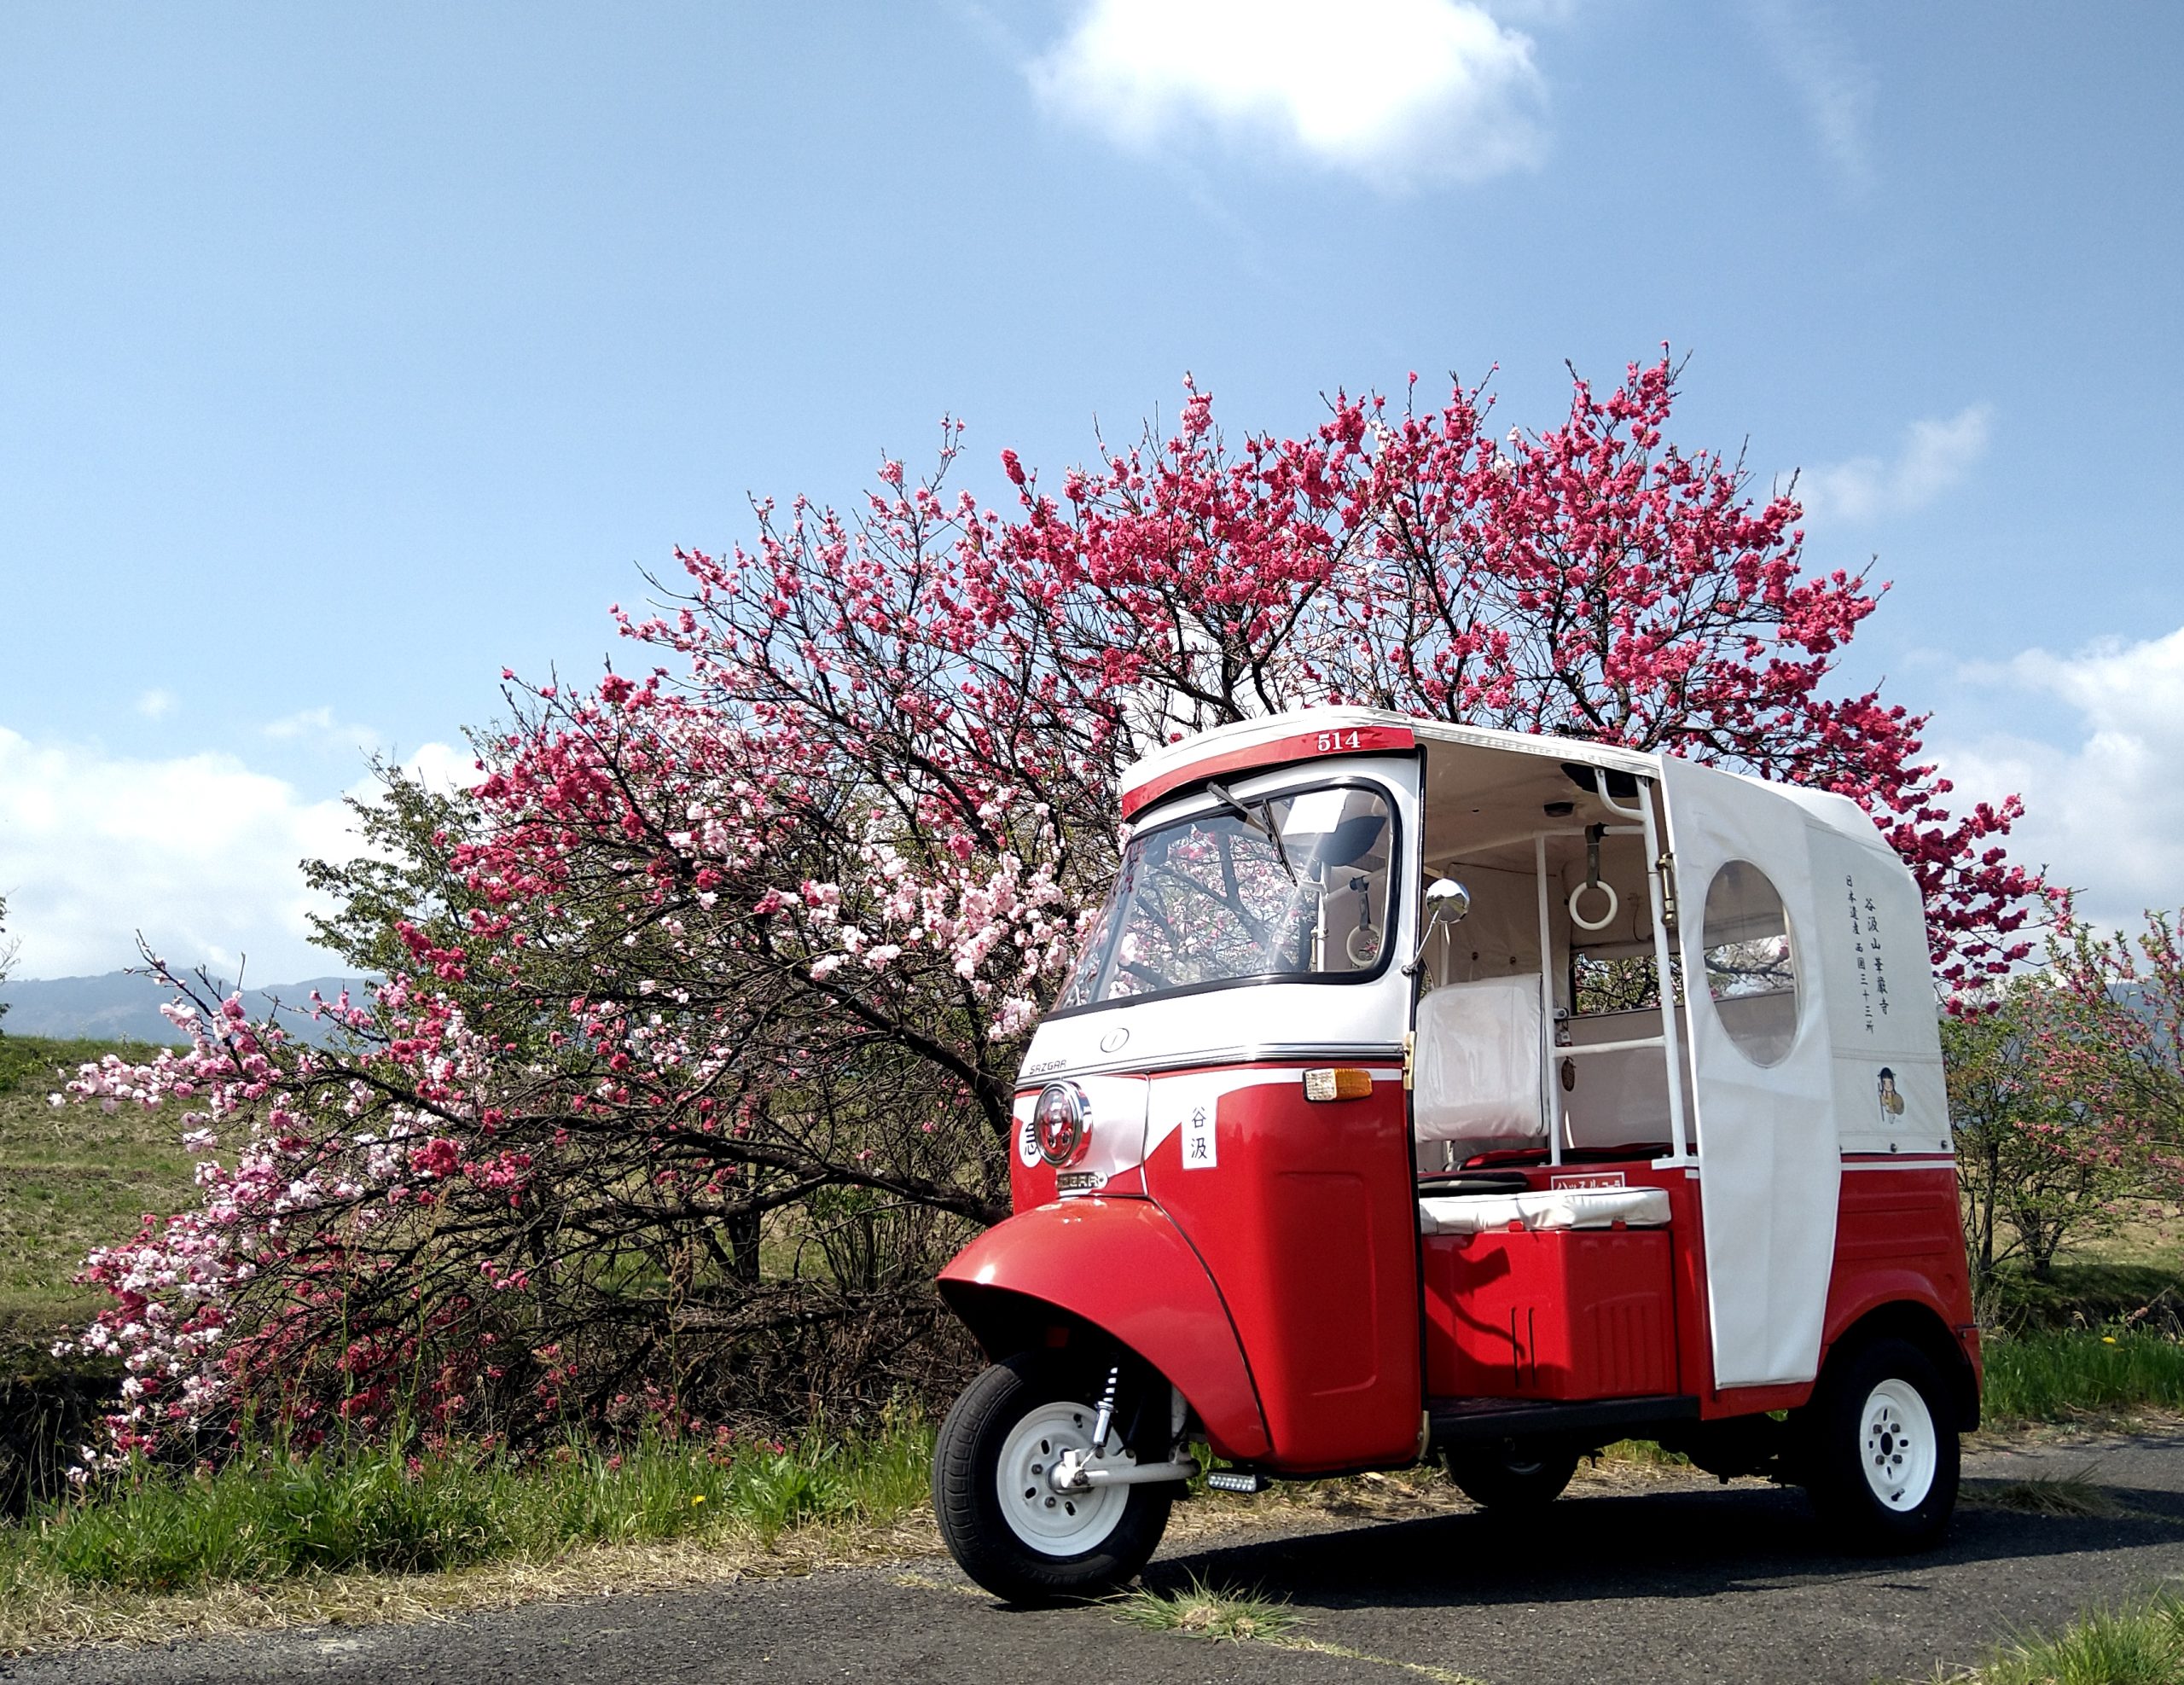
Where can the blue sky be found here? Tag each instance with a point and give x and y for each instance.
(346, 357)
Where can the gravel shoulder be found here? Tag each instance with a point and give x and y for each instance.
(1635, 1576)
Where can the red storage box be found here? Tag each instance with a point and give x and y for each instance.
(1570, 1314)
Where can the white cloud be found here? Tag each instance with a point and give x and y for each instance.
(443, 768)
(1836, 90)
(1936, 455)
(156, 704)
(1400, 91)
(2104, 809)
(319, 726)
(199, 852)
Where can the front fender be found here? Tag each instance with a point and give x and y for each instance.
(1123, 1267)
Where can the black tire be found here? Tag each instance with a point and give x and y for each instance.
(1008, 1557)
(1863, 1418)
(1511, 1474)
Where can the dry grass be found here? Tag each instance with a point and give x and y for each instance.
(2066, 1495)
(1228, 1616)
(40, 1613)
(1415, 1494)
(1405, 1494)
(2081, 1428)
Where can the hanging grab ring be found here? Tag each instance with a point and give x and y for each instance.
(1614, 906)
(1593, 836)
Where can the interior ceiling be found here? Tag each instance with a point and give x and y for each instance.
(1484, 805)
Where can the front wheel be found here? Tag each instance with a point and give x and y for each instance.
(1510, 1474)
(1881, 1450)
(999, 1513)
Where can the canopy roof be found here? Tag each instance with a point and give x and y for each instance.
(1308, 734)
(1298, 734)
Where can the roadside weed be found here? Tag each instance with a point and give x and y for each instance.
(2069, 1495)
(1203, 1610)
(2140, 1644)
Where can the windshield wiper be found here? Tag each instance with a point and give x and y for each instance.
(1261, 821)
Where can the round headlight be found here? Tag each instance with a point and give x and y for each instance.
(1062, 1123)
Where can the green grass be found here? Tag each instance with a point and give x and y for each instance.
(2140, 1644)
(2056, 1377)
(70, 1179)
(265, 1517)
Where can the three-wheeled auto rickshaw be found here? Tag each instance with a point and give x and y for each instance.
(1430, 1091)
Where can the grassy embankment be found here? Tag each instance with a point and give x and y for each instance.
(70, 1180)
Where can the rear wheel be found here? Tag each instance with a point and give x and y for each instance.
(993, 1491)
(1511, 1473)
(1881, 1450)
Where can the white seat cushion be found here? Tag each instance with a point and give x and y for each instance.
(1546, 1209)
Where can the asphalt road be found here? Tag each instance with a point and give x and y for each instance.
(1677, 1583)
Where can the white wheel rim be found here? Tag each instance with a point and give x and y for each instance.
(1896, 1445)
(1055, 1524)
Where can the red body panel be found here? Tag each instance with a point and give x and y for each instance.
(1309, 1224)
(1898, 1237)
(1897, 1241)
(1122, 1266)
(1030, 1186)
(1676, 1352)
(1568, 1313)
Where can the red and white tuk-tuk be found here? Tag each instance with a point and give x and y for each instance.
(1434, 1091)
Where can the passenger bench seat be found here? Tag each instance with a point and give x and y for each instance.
(1547, 1208)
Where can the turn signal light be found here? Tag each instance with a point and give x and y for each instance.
(1342, 1083)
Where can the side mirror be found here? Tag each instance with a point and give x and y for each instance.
(1447, 905)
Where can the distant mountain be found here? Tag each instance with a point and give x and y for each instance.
(123, 1007)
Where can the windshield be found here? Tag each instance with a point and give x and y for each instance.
(1291, 886)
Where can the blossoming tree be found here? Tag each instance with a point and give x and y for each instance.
(2067, 1094)
(704, 1004)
